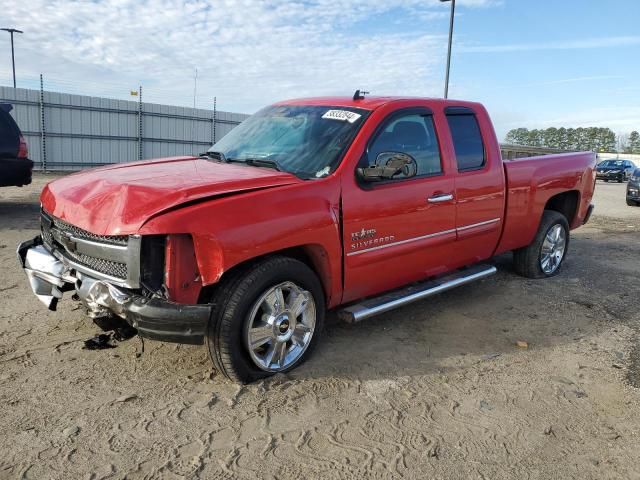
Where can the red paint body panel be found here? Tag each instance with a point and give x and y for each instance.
(403, 220)
(234, 213)
(531, 182)
(182, 277)
(233, 229)
(118, 200)
(480, 199)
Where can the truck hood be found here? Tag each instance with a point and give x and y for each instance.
(119, 199)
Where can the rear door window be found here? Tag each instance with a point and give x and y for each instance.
(467, 141)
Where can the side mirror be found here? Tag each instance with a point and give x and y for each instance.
(388, 165)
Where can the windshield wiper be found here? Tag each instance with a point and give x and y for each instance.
(258, 162)
(215, 155)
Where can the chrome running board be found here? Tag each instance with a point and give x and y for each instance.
(397, 298)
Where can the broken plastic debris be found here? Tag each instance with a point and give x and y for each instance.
(106, 340)
(99, 342)
(124, 333)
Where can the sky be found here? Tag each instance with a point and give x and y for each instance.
(534, 64)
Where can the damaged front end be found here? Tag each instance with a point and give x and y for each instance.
(52, 272)
(48, 276)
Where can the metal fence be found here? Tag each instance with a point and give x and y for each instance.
(71, 132)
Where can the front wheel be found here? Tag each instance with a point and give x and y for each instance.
(632, 203)
(544, 256)
(266, 319)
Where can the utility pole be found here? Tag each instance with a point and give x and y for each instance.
(13, 61)
(140, 123)
(446, 80)
(215, 117)
(195, 87)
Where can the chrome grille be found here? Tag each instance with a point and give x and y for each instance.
(79, 233)
(70, 240)
(107, 267)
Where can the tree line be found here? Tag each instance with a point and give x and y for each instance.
(581, 139)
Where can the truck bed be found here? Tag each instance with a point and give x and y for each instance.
(531, 183)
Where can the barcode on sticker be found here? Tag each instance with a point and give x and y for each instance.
(342, 115)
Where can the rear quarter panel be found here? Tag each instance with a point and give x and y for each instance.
(531, 182)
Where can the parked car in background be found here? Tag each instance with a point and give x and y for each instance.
(618, 170)
(633, 189)
(15, 167)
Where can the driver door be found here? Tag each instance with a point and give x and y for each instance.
(399, 230)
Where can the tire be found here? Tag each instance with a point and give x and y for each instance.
(632, 203)
(237, 298)
(606, 181)
(528, 261)
(620, 179)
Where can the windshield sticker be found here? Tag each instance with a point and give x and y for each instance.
(324, 172)
(342, 115)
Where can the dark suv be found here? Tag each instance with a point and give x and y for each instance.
(15, 167)
(633, 189)
(618, 170)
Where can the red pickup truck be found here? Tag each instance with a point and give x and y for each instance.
(364, 204)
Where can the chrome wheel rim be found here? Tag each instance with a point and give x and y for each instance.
(280, 326)
(553, 247)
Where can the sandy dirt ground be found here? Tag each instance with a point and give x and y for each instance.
(437, 389)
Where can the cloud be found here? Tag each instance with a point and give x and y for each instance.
(589, 43)
(247, 52)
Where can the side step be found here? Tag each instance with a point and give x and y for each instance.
(397, 298)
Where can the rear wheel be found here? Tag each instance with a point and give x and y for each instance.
(544, 256)
(266, 319)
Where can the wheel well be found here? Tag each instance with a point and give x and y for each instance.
(566, 203)
(313, 256)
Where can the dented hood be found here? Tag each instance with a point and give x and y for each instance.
(119, 199)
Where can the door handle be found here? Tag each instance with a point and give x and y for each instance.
(441, 197)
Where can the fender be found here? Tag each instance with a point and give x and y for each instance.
(229, 231)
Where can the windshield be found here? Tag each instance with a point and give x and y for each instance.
(611, 163)
(308, 141)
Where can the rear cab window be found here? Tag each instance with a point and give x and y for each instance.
(467, 139)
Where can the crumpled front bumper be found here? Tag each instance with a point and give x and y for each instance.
(155, 318)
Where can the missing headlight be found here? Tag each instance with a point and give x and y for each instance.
(153, 261)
